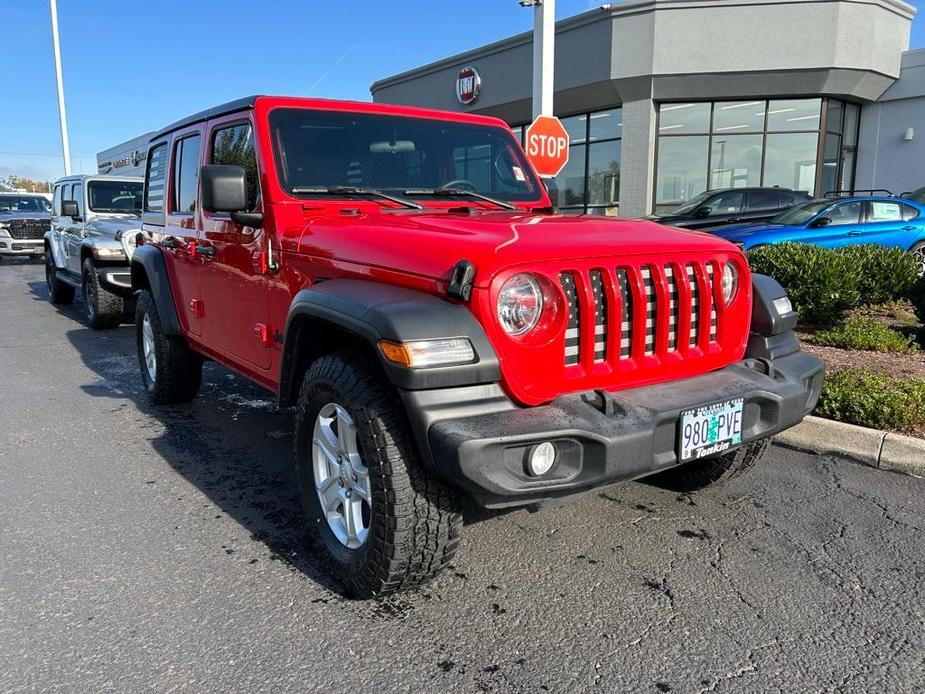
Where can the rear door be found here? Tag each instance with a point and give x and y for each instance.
(235, 287)
(885, 224)
(761, 205)
(59, 225)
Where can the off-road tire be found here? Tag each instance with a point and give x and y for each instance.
(102, 309)
(58, 292)
(415, 519)
(698, 474)
(178, 370)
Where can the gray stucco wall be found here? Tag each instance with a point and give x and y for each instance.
(639, 52)
(885, 158)
(125, 159)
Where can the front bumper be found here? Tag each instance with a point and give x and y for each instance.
(10, 246)
(479, 440)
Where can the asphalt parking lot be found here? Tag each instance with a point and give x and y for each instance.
(145, 549)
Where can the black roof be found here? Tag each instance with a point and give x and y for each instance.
(215, 111)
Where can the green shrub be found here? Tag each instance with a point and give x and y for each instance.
(873, 400)
(918, 298)
(865, 333)
(886, 274)
(822, 283)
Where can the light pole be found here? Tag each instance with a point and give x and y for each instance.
(544, 54)
(65, 147)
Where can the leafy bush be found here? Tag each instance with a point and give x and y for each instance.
(918, 298)
(865, 333)
(858, 396)
(822, 284)
(886, 274)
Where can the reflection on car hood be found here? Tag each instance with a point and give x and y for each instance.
(738, 232)
(6, 215)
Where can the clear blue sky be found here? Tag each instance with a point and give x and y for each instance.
(120, 81)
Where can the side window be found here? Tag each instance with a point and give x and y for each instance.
(185, 174)
(234, 145)
(726, 203)
(884, 212)
(909, 213)
(156, 178)
(77, 194)
(56, 200)
(846, 213)
(764, 200)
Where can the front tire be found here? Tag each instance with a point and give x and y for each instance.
(355, 456)
(102, 308)
(918, 250)
(170, 371)
(58, 292)
(698, 474)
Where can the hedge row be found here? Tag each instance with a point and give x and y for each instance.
(873, 400)
(825, 283)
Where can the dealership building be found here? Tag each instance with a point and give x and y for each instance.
(664, 99)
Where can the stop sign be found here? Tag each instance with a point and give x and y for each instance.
(547, 145)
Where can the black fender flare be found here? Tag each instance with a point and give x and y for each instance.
(373, 311)
(149, 271)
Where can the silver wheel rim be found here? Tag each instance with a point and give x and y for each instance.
(341, 478)
(919, 253)
(147, 344)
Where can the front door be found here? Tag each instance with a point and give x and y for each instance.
(74, 229)
(235, 287)
(844, 228)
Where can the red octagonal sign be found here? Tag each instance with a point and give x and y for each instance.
(547, 145)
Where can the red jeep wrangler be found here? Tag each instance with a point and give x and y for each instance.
(399, 276)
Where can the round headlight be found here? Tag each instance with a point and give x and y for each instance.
(730, 282)
(520, 304)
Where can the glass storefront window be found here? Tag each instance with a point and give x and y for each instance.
(571, 180)
(576, 127)
(830, 159)
(681, 119)
(790, 161)
(681, 169)
(851, 124)
(833, 117)
(794, 114)
(739, 116)
(606, 125)
(735, 161)
(604, 173)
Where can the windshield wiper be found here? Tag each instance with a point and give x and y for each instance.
(449, 192)
(351, 191)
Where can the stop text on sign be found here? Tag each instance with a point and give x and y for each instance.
(547, 145)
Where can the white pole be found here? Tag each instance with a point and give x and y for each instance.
(65, 147)
(544, 56)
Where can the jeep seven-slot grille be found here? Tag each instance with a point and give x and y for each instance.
(668, 308)
(29, 229)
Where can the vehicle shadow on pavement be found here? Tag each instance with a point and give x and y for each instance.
(232, 443)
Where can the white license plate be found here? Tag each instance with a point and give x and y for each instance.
(710, 429)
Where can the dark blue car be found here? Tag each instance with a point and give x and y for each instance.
(837, 222)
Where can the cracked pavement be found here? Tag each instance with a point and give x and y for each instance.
(147, 549)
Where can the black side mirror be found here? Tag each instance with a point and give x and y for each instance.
(69, 209)
(223, 188)
(820, 222)
(702, 212)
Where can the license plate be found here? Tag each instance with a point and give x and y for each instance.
(710, 429)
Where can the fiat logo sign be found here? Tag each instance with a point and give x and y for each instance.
(468, 85)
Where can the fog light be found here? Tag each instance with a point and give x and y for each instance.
(783, 305)
(541, 459)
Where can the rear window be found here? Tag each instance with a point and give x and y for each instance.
(156, 179)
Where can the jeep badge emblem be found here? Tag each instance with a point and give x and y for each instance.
(468, 85)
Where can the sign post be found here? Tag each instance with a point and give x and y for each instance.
(547, 146)
(544, 55)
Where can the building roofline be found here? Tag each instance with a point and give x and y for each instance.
(607, 12)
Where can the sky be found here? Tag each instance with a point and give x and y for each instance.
(120, 81)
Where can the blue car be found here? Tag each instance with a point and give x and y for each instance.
(837, 222)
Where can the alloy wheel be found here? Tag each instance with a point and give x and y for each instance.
(919, 253)
(147, 344)
(341, 478)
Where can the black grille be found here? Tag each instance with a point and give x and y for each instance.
(572, 336)
(29, 229)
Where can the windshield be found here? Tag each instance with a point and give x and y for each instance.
(114, 196)
(24, 203)
(316, 149)
(692, 204)
(801, 214)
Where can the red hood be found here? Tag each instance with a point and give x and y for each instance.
(430, 244)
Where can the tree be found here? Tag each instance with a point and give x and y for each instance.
(22, 183)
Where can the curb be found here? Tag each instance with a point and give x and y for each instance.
(880, 449)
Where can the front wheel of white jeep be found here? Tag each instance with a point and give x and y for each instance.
(698, 474)
(383, 522)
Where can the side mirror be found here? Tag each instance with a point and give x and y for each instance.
(552, 188)
(820, 222)
(223, 188)
(69, 209)
(702, 212)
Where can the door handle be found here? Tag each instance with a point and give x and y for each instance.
(908, 228)
(170, 243)
(204, 250)
(854, 233)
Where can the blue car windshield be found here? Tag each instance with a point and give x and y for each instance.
(801, 214)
